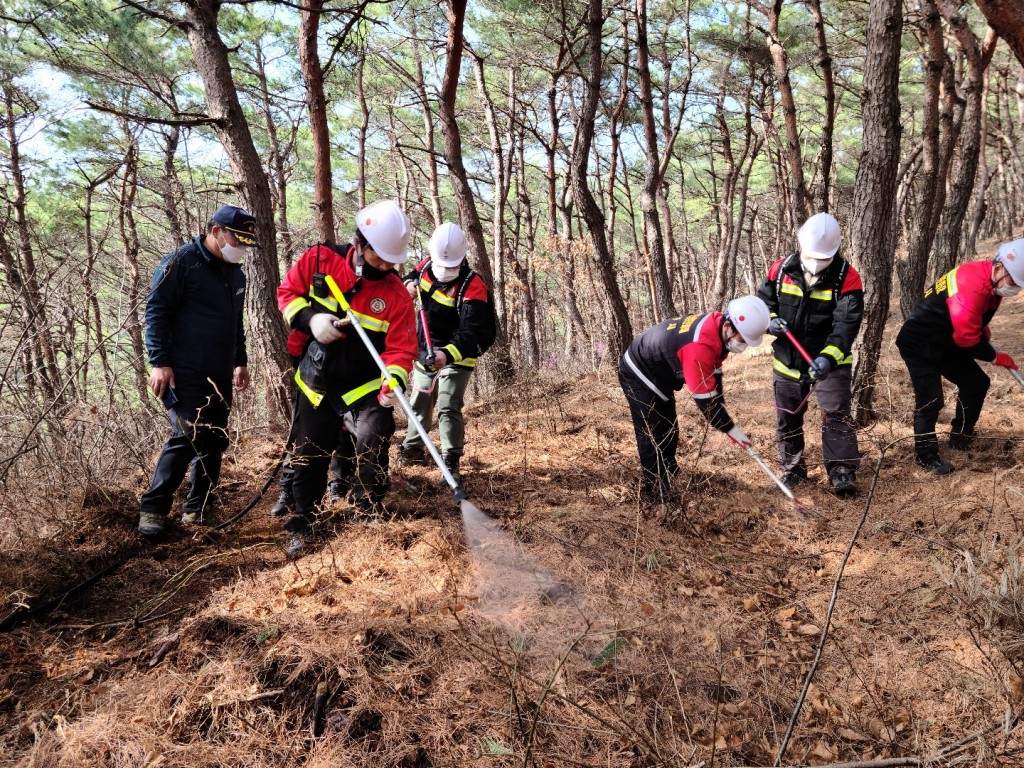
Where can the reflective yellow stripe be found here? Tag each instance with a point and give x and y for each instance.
(951, 281)
(822, 295)
(354, 394)
(785, 370)
(329, 303)
(371, 323)
(293, 308)
(399, 373)
(443, 300)
(792, 289)
(453, 354)
(837, 354)
(466, 362)
(314, 397)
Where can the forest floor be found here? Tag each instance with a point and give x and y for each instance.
(604, 639)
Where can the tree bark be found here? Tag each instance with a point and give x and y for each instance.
(313, 75)
(947, 251)
(931, 186)
(1006, 17)
(872, 231)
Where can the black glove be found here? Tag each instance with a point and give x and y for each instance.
(820, 368)
(777, 326)
(426, 359)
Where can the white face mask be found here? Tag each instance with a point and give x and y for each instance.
(736, 345)
(814, 266)
(1007, 290)
(444, 274)
(232, 254)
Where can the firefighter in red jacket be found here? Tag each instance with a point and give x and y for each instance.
(945, 334)
(816, 297)
(338, 380)
(683, 351)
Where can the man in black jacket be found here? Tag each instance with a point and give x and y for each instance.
(460, 324)
(816, 297)
(196, 344)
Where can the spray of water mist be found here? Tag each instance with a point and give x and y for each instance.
(509, 582)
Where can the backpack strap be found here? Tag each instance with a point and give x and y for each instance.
(460, 295)
(778, 278)
(838, 287)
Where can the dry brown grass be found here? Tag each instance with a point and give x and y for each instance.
(668, 643)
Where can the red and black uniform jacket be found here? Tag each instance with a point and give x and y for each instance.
(458, 314)
(382, 307)
(956, 312)
(825, 317)
(684, 351)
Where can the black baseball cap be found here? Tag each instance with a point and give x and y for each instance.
(239, 223)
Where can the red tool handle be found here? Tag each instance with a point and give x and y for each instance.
(798, 345)
(426, 332)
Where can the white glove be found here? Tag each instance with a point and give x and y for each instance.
(737, 436)
(387, 397)
(323, 328)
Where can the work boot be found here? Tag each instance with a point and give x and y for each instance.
(337, 490)
(151, 524)
(452, 462)
(935, 465)
(285, 503)
(207, 518)
(413, 456)
(367, 512)
(299, 543)
(961, 441)
(794, 477)
(844, 481)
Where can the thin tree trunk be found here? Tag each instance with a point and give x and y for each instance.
(428, 132)
(801, 204)
(829, 106)
(313, 75)
(34, 314)
(931, 189)
(871, 230)
(471, 225)
(663, 303)
(621, 332)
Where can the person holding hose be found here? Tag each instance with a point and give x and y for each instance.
(339, 383)
(944, 336)
(816, 300)
(456, 327)
(683, 351)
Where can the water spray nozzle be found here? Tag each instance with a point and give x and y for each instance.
(459, 495)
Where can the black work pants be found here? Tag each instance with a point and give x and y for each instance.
(359, 439)
(198, 438)
(928, 367)
(657, 435)
(340, 470)
(838, 437)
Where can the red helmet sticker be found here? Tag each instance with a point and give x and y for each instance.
(741, 318)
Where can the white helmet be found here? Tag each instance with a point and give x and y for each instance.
(448, 245)
(749, 316)
(1011, 256)
(386, 228)
(819, 237)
